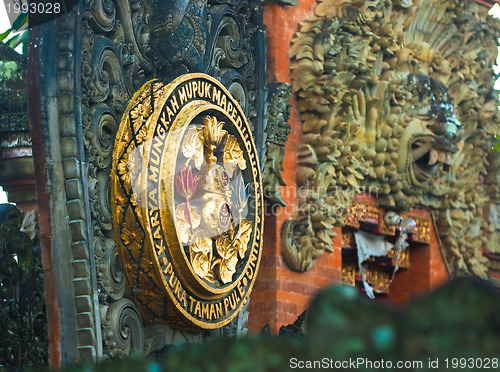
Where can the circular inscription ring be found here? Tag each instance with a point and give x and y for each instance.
(187, 202)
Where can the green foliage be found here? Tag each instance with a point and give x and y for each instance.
(459, 320)
(9, 70)
(13, 38)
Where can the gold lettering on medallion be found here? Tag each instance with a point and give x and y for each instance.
(238, 122)
(168, 270)
(182, 95)
(240, 291)
(160, 248)
(157, 234)
(216, 95)
(212, 312)
(207, 90)
(153, 201)
(183, 299)
(232, 300)
(200, 89)
(191, 303)
(253, 257)
(218, 309)
(197, 309)
(174, 104)
(223, 102)
(178, 288)
(170, 114)
(172, 277)
(249, 272)
(205, 311)
(154, 218)
(195, 88)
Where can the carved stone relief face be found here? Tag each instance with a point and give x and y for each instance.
(374, 82)
(432, 132)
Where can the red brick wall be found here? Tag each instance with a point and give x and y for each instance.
(279, 294)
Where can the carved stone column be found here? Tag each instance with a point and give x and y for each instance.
(85, 66)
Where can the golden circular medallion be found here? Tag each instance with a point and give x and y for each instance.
(187, 202)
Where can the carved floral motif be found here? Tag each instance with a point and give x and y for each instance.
(214, 236)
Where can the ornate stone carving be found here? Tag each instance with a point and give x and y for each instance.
(397, 99)
(297, 245)
(124, 323)
(105, 52)
(179, 31)
(278, 113)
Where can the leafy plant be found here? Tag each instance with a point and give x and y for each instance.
(13, 37)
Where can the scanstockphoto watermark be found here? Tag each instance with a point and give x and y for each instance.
(356, 363)
(365, 363)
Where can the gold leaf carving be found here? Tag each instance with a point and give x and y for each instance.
(201, 258)
(233, 156)
(142, 135)
(228, 258)
(187, 219)
(192, 147)
(129, 168)
(139, 113)
(229, 246)
(243, 237)
(212, 135)
(132, 235)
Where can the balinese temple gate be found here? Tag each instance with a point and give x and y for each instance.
(204, 167)
(149, 142)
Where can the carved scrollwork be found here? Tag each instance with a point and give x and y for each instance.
(278, 113)
(109, 271)
(103, 14)
(115, 42)
(124, 333)
(106, 83)
(100, 125)
(230, 41)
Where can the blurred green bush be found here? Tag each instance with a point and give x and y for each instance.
(458, 320)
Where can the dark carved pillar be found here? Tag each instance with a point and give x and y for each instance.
(84, 66)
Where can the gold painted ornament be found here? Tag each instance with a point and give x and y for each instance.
(187, 202)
